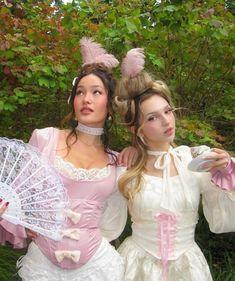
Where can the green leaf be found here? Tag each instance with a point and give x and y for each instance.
(131, 27)
(47, 70)
(170, 8)
(19, 93)
(1, 105)
(67, 21)
(9, 107)
(63, 86)
(148, 34)
(7, 54)
(61, 69)
(22, 49)
(43, 81)
(28, 74)
(223, 31)
(157, 61)
(52, 83)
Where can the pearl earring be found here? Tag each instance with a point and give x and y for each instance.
(109, 117)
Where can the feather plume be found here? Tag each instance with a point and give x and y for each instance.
(133, 63)
(94, 53)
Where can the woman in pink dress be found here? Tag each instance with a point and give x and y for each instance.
(89, 170)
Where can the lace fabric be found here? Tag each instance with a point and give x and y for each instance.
(30, 183)
(80, 174)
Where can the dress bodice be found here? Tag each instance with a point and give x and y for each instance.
(149, 216)
(88, 191)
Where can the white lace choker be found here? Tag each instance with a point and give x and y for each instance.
(89, 130)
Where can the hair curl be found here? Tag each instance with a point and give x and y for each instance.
(129, 95)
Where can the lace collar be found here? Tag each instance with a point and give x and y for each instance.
(80, 174)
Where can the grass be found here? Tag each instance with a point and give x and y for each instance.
(219, 250)
(8, 258)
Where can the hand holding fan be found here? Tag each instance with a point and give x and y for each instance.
(3, 206)
(34, 190)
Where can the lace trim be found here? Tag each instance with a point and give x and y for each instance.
(80, 174)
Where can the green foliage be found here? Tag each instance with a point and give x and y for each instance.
(188, 44)
(219, 250)
(34, 60)
(230, 5)
(8, 258)
(192, 132)
(120, 136)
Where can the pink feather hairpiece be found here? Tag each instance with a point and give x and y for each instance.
(94, 53)
(133, 63)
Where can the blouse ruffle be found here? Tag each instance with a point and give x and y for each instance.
(225, 178)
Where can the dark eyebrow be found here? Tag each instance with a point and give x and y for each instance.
(93, 86)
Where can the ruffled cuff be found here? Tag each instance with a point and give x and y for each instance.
(225, 178)
(15, 234)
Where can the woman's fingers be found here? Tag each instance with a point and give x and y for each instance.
(31, 234)
(128, 156)
(220, 159)
(3, 206)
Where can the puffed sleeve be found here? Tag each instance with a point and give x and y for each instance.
(114, 216)
(16, 234)
(40, 137)
(218, 205)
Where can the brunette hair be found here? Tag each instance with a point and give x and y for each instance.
(109, 83)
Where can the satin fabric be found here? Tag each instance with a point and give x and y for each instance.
(96, 209)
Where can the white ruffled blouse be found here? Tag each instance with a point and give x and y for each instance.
(164, 214)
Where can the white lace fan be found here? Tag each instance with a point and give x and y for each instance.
(34, 190)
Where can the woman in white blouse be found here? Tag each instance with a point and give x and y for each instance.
(163, 194)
